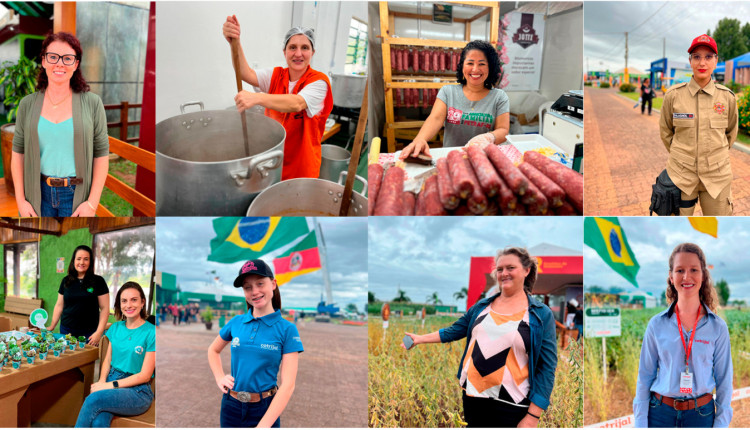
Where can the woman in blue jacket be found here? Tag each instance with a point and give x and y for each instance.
(508, 368)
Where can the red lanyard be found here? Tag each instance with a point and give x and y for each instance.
(689, 346)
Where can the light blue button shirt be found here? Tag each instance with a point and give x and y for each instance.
(663, 359)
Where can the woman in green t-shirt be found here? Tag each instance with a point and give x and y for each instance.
(128, 366)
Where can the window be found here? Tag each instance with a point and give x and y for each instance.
(21, 269)
(125, 255)
(356, 50)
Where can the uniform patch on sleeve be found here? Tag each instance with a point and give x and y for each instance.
(683, 115)
(719, 108)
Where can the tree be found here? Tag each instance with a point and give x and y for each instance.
(746, 34)
(663, 297)
(461, 294)
(351, 307)
(370, 297)
(729, 39)
(722, 290)
(434, 299)
(401, 297)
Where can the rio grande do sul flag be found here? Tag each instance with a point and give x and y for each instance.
(303, 258)
(239, 239)
(605, 236)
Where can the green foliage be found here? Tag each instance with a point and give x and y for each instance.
(604, 85)
(729, 39)
(407, 308)
(401, 296)
(722, 290)
(351, 307)
(461, 294)
(17, 81)
(587, 84)
(734, 86)
(743, 111)
(434, 299)
(627, 87)
(208, 314)
(370, 297)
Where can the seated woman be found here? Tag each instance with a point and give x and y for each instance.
(128, 366)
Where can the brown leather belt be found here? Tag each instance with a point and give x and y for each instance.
(61, 182)
(684, 404)
(245, 397)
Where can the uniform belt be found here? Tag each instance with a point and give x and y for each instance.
(685, 404)
(61, 182)
(245, 397)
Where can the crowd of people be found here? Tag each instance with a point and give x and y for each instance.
(178, 313)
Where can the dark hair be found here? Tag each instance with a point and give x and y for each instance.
(128, 285)
(493, 61)
(275, 300)
(77, 82)
(73, 272)
(707, 292)
(527, 261)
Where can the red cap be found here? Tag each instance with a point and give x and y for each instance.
(704, 40)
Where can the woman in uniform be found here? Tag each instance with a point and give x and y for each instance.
(505, 389)
(297, 96)
(685, 354)
(472, 110)
(262, 341)
(82, 299)
(698, 126)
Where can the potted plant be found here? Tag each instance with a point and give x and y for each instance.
(43, 351)
(16, 358)
(81, 342)
(17, 81)
(2, 360)
(208, 317)
(57, 348)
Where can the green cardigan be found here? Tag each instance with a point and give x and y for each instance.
(90, 141)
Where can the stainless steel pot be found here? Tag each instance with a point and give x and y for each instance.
(335, 160)
(348, 90)
(307, 197)
(201, 165)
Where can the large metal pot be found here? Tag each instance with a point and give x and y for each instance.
(335, 160)
(348, 90)
(307, 197)
(202, 168)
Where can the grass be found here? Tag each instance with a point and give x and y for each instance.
(656, 103)
(123, 170)
(743, 138)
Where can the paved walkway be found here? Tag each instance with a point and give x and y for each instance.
(331, 386)
(624, 154)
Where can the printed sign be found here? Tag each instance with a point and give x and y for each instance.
(442, 13)
(602, 322)
(38, 318)
(523, 51)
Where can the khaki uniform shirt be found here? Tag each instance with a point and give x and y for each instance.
(698, 126)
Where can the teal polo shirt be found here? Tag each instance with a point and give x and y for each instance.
(129, 346)
(257, 347)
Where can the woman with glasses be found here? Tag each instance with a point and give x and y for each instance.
(508, 368)
(698, 126)
(60, 148)
(296, 96)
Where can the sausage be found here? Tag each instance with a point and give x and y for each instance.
(460, 174)
(565, 209)
(435, 60)
(516, 180)
(488, 178)
(534, 196)
(462, 210)
(409, 200)
(374, 176)
(505, 197)
(448, 195)
(477, 201)
(390, 196)
(430, 204)
(554, 194)
(441, 58)
(415, 60)
(568, 179)
(393, 59)
(518, 210)
(427, 56)
(493, 208)
(454, 57)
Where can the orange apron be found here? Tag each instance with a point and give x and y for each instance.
(303, 134)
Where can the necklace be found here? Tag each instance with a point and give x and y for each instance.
(54, 105)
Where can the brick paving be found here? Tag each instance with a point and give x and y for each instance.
(624, 154)
(330, 390)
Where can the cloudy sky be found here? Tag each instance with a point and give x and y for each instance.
(427, 254)
(649, 24)
(183, 246)
(652, 240)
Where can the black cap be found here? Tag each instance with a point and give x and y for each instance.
(253, 267)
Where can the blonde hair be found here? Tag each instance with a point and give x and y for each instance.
(707, 292)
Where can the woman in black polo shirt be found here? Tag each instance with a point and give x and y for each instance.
(82, 299)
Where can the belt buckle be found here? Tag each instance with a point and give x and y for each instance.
(244, 396)
(680, 402)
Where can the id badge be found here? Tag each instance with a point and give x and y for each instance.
(686, 383)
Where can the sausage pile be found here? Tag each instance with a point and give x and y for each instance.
(472, 181)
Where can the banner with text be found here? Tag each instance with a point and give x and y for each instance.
(524, 42)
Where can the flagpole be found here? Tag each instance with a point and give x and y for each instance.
(323, 261)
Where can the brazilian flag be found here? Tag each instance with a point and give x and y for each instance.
(605, 236)
(239, 239)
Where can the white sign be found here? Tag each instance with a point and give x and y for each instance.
(521, 54)
(60, 264)
(602, 322)
(38, 318)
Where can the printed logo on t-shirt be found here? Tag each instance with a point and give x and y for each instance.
(236, 342)
(478, 119)
(90, 290)
(269, 346)
(297, 338)
(454, 115)
(139, 350)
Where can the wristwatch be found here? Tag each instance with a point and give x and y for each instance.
(115, 384)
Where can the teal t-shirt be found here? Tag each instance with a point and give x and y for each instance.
(129, 346)
(56, 148)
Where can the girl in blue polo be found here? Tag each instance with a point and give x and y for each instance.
(262, 342)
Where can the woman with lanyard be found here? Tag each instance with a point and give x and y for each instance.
(472, 111)
(262, 341)
(60, 148)
(124, 385)
(508, 368)
(685, 353)
(297, 96)
(82, 299)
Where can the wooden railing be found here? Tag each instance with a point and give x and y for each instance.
(124, 108)
(140, 157)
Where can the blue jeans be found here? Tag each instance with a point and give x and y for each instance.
(661, 415)
(57, 201)
(100, 407)
(237, 414)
